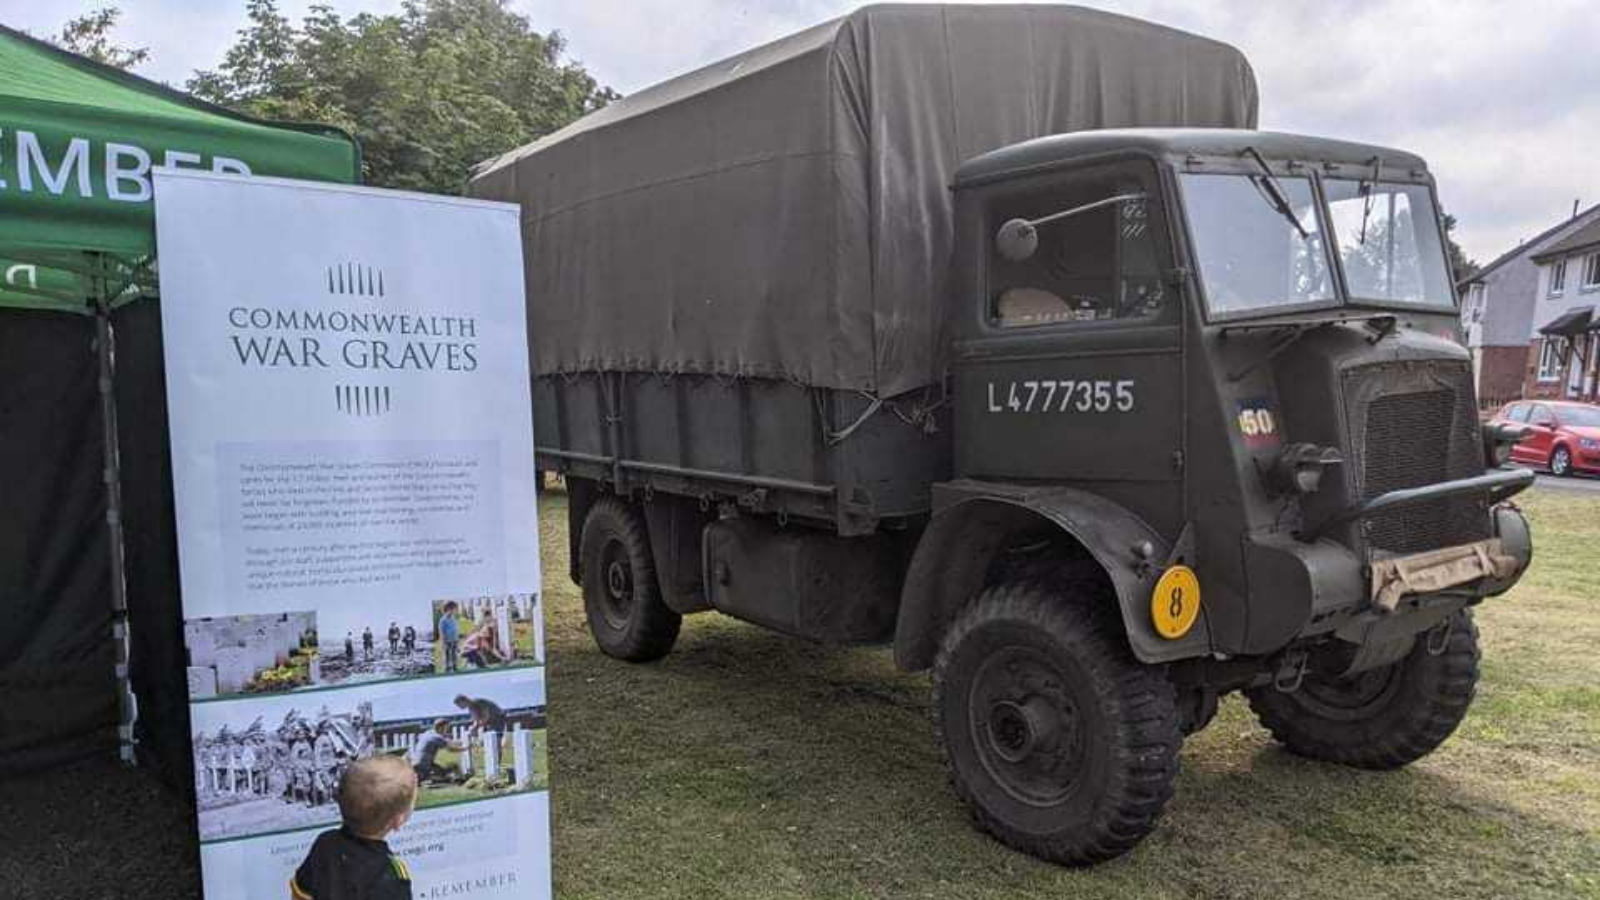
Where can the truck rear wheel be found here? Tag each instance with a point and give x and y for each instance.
(1060, 742)
(1382, 719)
(621, 597)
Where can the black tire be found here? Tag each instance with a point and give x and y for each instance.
(1561, 462)
(1061, 744)
(621, 597)
(1382, 719)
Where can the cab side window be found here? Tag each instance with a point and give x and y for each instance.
(1542, 417)
(1098, 265)
(1517, 413)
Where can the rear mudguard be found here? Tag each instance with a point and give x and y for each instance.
(973, 520)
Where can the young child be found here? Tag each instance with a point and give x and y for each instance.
(449, 634)
(376, 796)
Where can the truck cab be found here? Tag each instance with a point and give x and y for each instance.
(1210, 379)
(1247, 342)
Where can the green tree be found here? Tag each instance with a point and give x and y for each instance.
(90, 35)
(429, 91)
(1462, 266)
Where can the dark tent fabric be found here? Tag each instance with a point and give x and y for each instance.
(150, 536)
(55, 651)
(786, 213)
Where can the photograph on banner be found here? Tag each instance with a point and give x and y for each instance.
(277, 652)
(471, 738)
(487, 633)
(274, 763)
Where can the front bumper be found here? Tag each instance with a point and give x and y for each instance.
(1304, 590)
(1586, 461)
(1437, 570)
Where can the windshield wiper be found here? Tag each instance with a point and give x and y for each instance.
(1275, 193)
(1366, 188)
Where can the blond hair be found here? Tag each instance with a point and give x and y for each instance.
(376, 791)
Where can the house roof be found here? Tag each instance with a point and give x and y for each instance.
(1527, 245)
(1583, 238)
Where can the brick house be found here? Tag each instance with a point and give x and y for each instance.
(1565, 342)
(1505, 304)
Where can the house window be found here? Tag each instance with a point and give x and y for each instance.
(1550, 359)
(1558, 277)
(1591, 271)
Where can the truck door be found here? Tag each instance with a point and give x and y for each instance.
(1067, 363)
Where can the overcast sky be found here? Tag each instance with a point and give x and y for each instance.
(1501, 98)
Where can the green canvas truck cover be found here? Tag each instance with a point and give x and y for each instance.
(786, 213)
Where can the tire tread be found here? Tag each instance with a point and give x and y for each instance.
(1142, 702)
(654, 626)
(1437, 706)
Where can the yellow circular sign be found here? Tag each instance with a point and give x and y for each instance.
(1175, 603)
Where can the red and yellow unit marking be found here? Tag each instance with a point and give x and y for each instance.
(1258, 424)
(1175, 602)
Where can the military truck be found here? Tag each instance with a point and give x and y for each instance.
(1001, 336)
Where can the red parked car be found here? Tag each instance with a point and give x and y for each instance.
(1562, 435)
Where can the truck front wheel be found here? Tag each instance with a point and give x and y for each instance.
(1060, 742)
(1385, 718)
(621, 597)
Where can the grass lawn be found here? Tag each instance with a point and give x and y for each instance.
(748, 765)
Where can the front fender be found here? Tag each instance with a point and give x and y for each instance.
(973, 520)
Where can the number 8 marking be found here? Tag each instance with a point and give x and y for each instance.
(1175, 602)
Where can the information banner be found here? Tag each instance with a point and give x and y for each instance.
(352, 450)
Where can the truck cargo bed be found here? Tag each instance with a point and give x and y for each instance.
(837, 458)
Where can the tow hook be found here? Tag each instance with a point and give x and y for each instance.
(1291, 671)
(1439, 636)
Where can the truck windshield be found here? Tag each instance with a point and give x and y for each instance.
(1251, 254)
(1389, 242)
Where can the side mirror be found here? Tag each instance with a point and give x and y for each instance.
(1498, 441)
(1017, 240)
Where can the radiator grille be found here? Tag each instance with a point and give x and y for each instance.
(1424, 434)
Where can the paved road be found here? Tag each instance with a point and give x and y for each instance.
(1572, 484)
(1582, 484)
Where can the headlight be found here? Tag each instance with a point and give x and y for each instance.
(1589, 443)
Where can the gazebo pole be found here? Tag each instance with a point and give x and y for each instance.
(127, 704)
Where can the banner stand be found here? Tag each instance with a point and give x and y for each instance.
(351, 434)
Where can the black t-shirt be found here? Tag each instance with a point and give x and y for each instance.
(342, 866)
